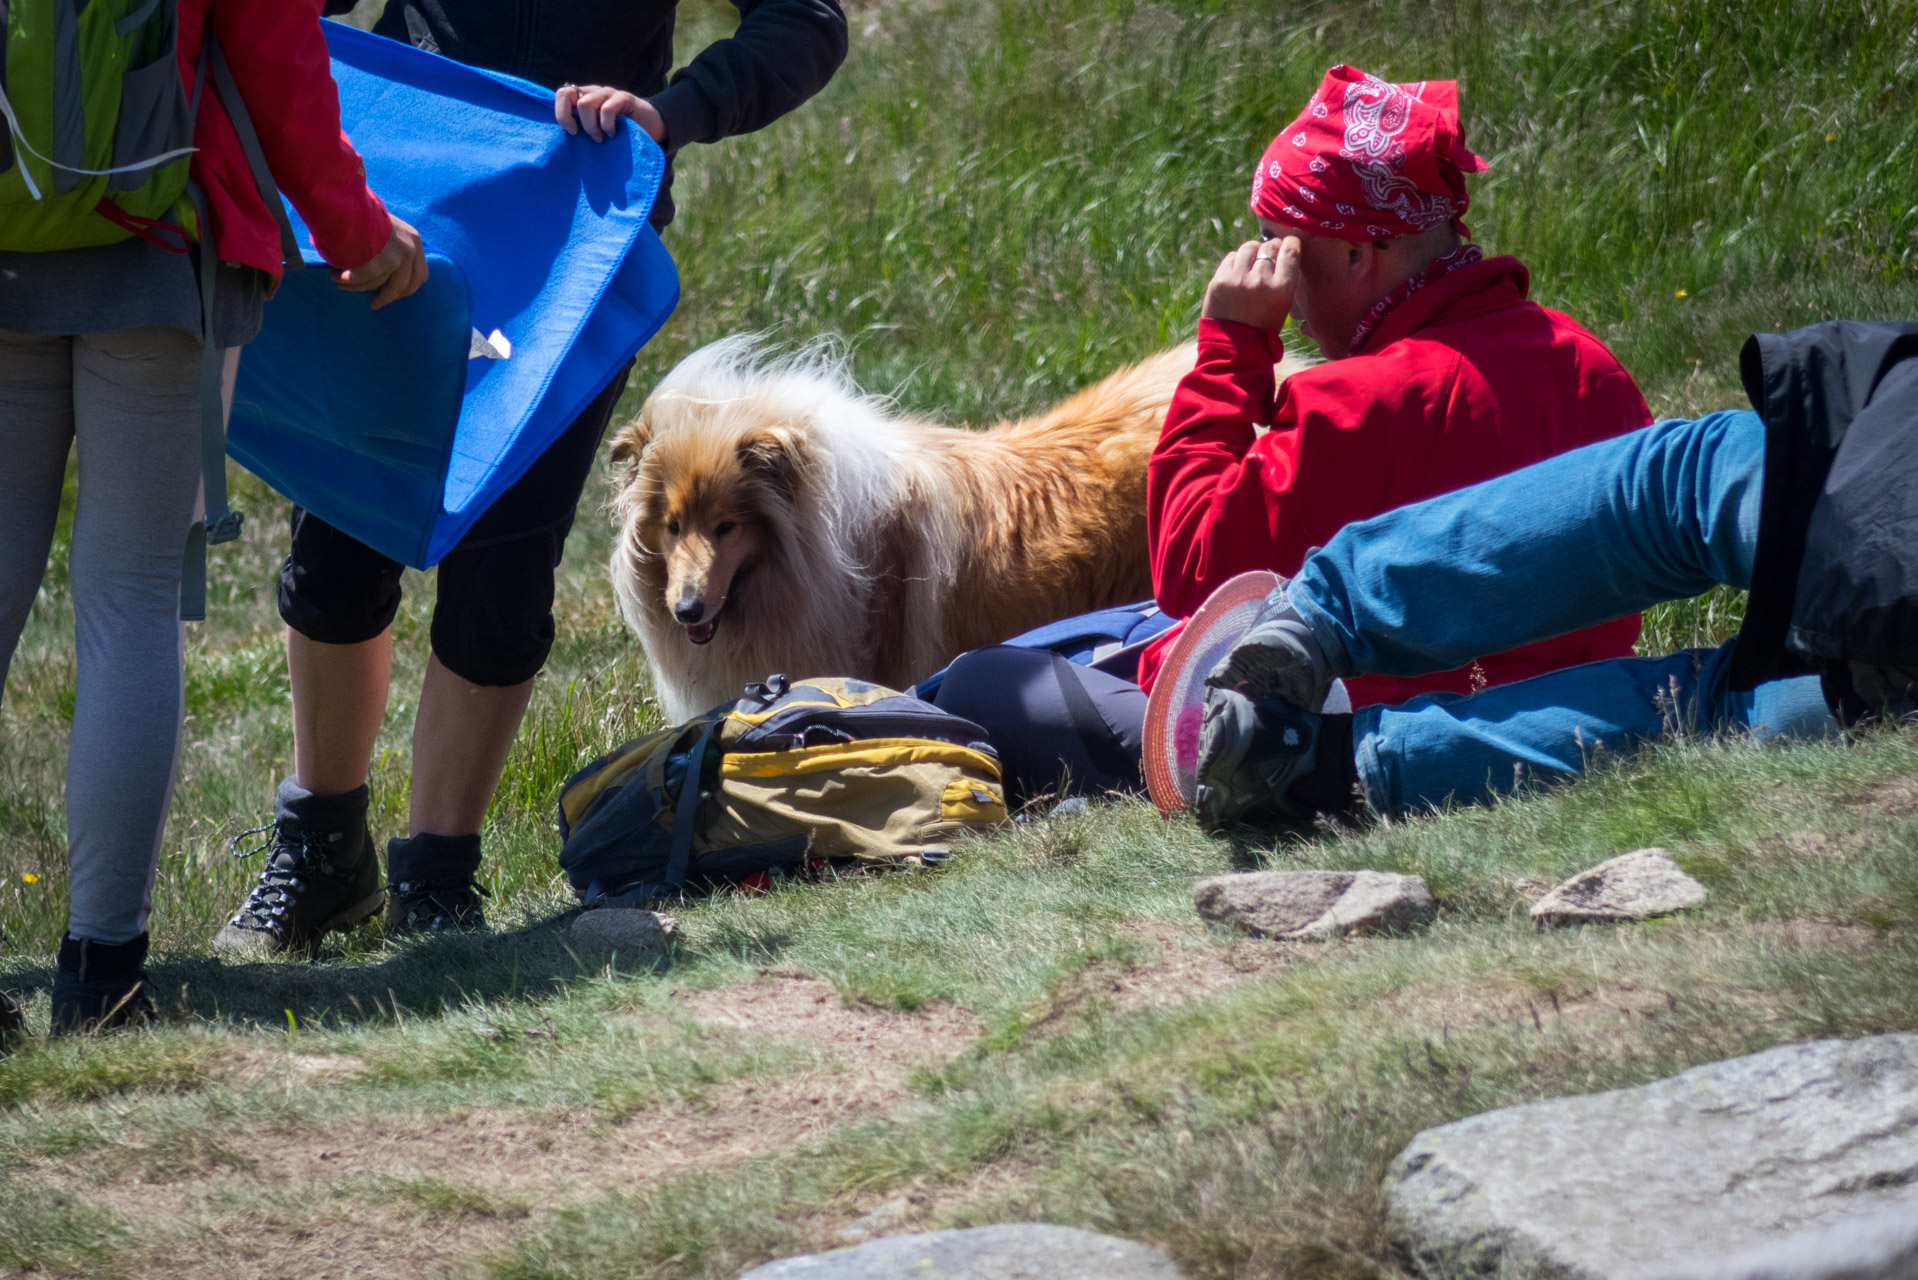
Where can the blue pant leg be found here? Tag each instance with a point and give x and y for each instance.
(1443, 748)
(1591, 535)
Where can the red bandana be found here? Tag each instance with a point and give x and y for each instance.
(1368, 160)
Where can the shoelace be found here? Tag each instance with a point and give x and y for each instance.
(268, 901)
(437, 901)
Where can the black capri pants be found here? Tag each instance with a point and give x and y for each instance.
(493, 614)
(1059, 728)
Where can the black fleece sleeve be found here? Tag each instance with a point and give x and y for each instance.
(782, 54)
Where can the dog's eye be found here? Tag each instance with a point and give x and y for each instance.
(672, 528)
(723, 528)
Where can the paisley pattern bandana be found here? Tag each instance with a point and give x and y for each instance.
(1463, 256)
(1369, 160)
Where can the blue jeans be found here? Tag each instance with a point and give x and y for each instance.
(1661, 514)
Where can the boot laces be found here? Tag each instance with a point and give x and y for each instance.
(298, 856)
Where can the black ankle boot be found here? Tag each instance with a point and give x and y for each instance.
(100, 985)
(434, 885)
(321, 876)
(12, 1022)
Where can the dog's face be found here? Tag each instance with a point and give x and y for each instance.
(701, 509)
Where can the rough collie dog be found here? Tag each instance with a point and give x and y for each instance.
(771, 518)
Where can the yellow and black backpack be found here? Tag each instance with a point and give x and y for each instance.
(827, 771)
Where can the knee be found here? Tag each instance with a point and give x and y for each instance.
(334, 589)
(493, 622)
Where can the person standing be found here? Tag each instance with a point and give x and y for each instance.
(102, 347)
(492, 623)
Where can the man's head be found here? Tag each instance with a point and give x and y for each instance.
(1370, 177)
(1340, 280)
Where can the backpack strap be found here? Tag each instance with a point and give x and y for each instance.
(682, 850)
(220, 523)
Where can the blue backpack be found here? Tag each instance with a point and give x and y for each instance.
(1107, 638)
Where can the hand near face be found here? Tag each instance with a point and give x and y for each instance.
(1255, 283)
(596, 108)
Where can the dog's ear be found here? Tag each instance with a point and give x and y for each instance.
(775, 456)
(629, 444)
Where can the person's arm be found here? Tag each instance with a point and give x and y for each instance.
(279, 60)
(783, 52)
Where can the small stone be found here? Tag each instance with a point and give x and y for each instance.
(1748, 1169)
(628, 932)
(886, 1217)
(1315, 904)
(1632, 886)
(1013, 1251)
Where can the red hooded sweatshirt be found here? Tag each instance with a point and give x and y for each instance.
(1463, 380)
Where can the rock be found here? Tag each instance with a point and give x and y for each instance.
(1014, 1251)
(1705, 1174)
(1880, 1248)
(628, 932)
(886, 1217)
(1315, 904)
(1632, 886)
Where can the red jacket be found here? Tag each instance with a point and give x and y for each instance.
(1463, 380)
(279, 60)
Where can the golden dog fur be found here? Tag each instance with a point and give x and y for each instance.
(798, 526)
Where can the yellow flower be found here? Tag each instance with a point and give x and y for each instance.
(1831, 137)
(1679, 294)
(30, 878)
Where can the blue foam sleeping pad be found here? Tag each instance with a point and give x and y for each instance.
(377, 421)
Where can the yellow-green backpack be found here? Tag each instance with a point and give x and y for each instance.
(824, 771)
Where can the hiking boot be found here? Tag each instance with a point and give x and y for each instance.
(100, 986)
(1277, 657)
(434, 885)
(321, 876)
(1250, 754)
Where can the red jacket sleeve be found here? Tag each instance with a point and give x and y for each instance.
(1223, 500)
(279, 60)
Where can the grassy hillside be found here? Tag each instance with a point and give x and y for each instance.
(996, 202)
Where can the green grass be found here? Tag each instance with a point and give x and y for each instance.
(995, 202)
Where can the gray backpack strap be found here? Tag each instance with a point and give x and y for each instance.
(221, 524)
(255, 157)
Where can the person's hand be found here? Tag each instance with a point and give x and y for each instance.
(1254, 284)
(397, 271)
(597, 109)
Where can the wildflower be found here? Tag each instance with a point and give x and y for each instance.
(1831, 137)
(1679, 294)
(30, 878)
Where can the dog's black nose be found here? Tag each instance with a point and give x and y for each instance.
(689, 611)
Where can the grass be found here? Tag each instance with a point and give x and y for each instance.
(996, 202)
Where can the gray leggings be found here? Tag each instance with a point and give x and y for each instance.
(131, 400)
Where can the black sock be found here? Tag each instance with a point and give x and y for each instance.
(93, 961)
(431, 859)
(1332, 788)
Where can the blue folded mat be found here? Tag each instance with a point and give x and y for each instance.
(377, 421)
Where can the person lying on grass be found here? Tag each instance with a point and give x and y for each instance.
(1439, 373)
(1811, 502)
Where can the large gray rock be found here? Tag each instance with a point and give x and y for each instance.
(1706, 1174)
(1632, 886)
(1315, 904)
(1015, 1251)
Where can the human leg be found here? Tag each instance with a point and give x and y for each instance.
(136, 419)
(36, 431)
(492, 631)
(1443, 749)
(1661, 514)
(338, 598)
(1058, 727)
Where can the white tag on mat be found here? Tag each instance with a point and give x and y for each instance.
(489, 346)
